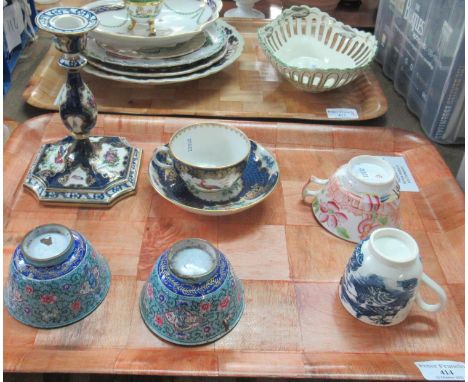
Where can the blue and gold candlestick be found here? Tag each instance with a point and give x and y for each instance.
(80, 169)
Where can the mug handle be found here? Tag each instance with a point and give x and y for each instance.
(169, 164)
(306, 193)
(439, 291)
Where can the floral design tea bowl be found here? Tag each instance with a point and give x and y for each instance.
(192, 296)
(350, 207)
(55, 278)
(208, 157)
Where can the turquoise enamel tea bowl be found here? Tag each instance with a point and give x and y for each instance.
(55, 278)
(192, 296)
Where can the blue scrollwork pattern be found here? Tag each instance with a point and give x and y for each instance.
(371, 297)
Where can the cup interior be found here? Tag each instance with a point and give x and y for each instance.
(210, 145)
(394, 245)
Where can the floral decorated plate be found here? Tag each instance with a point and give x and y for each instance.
(235, 45)
(160, 73)
(178, 50)
(258, 181)
(178, 21)
(215, 41)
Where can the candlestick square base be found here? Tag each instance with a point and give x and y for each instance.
(97, 171)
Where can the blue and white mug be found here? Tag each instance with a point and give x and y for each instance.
(382, 278)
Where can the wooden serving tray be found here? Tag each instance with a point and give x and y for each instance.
(250, 88)
(294, 324)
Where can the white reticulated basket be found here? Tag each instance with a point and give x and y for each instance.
(315, 52)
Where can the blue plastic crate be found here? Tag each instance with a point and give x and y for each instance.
(421, 45)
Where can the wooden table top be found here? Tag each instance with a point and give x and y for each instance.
(294, 324)
(249, 88)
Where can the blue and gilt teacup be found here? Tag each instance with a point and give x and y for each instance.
(208, 157)
(192, 296)
(55, 278)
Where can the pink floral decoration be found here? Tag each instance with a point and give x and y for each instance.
(159, 320)
(149, 291)
(48, 299)
(75, 306)
(331, 215)
(224, 303)
(205, 306)
(366, 226)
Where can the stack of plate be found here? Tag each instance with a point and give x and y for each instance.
(190, 43)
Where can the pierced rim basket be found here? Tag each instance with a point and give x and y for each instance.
(302, 29)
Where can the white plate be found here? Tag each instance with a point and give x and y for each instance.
(180, 49)
(172, 72)
(178, 21)
(235, 45)
(214, 43)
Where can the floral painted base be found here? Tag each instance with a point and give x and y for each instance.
(258, 181)
(57, 295)
(188, 313)
(98, 174)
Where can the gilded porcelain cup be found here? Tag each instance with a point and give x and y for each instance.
(361, 196)
(192, 296)
(55, 278)
(143, 12)
(382, 279)
(208, 157)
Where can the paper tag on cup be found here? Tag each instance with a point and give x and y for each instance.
(342, 113)
(403, 174)
(442, 370)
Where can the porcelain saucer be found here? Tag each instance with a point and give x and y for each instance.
(258, 181)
